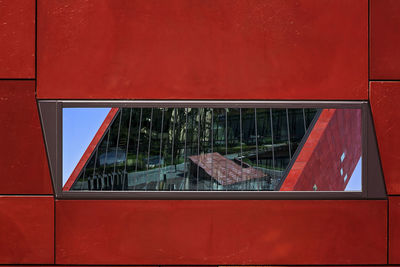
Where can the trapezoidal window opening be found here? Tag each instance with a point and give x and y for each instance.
(145, 148)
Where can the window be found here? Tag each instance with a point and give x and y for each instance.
(211, 149)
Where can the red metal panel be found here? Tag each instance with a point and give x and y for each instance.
(385, 98)
(385, 39)
(26, 230)
(319, 163)
(221, 232)
(178, 49)
(394, 230)
(17, 45)
(23, 162)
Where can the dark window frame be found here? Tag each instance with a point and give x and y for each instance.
(51, 116)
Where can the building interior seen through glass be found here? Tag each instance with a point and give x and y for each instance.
(196, 149)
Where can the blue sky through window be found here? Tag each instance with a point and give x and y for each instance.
(79, 127)
(355, 179)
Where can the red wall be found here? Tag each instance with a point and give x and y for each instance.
(176, 49)
(196, 49)
(221, 232)
(385, 40)
(319, 161)
(23, 162)
(27, 229)
(384, 96)
(17, 34)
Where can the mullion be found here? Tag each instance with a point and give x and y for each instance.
(137, 148)
(212, 151)
(116, 150)
(226, 148)
(185, 149)
(148, 150)
(198, 149)
(125, 175)
(173, 136)
(161, 143)
(256, 133)
(288, 133)
(272, 143)
(94, 167)
(105, 159)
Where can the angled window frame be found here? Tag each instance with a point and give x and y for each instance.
(373, 186)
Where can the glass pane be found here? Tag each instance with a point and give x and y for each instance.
(219, 149)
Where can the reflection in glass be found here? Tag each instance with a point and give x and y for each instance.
(197, 149)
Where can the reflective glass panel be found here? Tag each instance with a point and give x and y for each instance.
(211, 149)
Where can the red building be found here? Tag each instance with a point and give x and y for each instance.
(323, 50)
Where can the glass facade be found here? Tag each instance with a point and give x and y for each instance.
(195, 149)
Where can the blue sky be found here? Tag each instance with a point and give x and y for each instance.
(355, 179)
(79, 127)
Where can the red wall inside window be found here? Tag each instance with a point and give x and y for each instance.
(175, 49)
(319, 161)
